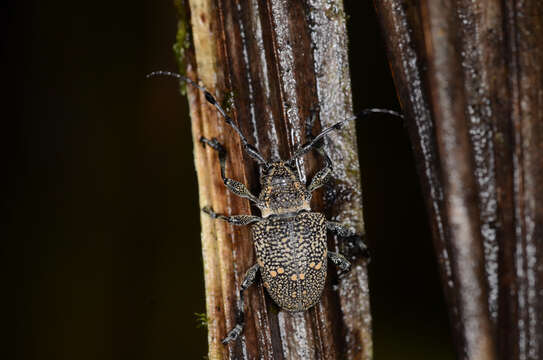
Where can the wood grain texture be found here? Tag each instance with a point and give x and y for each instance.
(469, 76)
(276, 60)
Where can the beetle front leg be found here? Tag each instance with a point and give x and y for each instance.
(321, 177)
(234, 219)
(249, 279)
(234, 186)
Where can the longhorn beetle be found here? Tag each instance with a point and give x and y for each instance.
(289, 238)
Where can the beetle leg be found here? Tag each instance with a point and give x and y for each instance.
(234, 219)
(322, 176)
(339, 260)
(249, 279)
(340, 229)
(355, 242)
(234, 186)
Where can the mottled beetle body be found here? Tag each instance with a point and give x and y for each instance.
(291, 252)
(290, 242)
(289, 239)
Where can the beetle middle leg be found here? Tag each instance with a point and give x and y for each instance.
(339, 260)
(234, 186)
(355, 242)
(340, 229)
(249, 279)
(233, 219)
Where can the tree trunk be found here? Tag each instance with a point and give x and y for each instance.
(270, 63)
(470, 77)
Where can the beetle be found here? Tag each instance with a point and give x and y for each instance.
(289, 238)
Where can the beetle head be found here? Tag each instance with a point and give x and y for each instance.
(282, 192)
(277, 172)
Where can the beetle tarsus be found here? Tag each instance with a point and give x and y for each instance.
(340, 261)
(233, 219)
(233, 334)
(208, 210)
(249, 279)
(213, 143)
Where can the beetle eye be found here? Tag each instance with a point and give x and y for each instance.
(292, 165)
(265, 169)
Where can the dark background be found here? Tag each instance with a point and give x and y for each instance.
(103, 248)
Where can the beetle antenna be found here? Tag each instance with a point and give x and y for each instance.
(250, 149)
(364, 113)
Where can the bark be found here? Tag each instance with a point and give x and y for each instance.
(469, 76)
(270, 63)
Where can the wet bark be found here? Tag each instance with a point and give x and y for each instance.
(469, 76)
(270, 63)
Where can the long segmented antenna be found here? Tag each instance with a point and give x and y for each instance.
(308, 146)
(251, 149)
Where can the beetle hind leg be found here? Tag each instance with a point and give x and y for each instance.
(249, 279)
(233, 334)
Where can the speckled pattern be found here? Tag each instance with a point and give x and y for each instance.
(282, 190)
(292, 254)
(290, 240)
